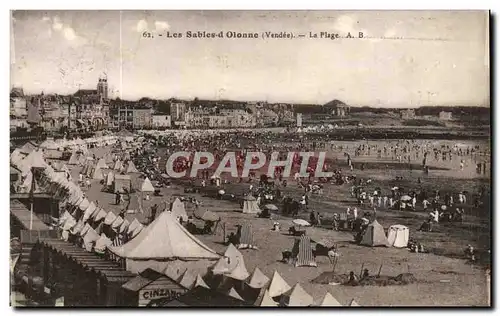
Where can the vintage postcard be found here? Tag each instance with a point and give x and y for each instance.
(250, 158)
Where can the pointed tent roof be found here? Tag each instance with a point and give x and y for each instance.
(329, 300)
(240, 271)
(297, 296)
(117, 223)
(131, 167)
(374, 235)
(234, 294)
(267, 301)
(118, 165)
(278, 285)
(34, 159)
(102, 243)
(102, 164)
(188, 279)
(199, 282)
(353, 303)
(258, 279)
(147, 186)
(110, 218)
(163, 239)
(73, 160)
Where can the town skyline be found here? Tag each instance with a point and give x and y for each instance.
(396, 66)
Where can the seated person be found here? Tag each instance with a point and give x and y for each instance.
(426, 226)
(233, 239)
(265, 214)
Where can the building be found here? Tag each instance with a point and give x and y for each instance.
(18, 104)
(408, 114)
(161, 121)
(337, 108)
(445, 116)
(102, 87)
(299, 119)
(225, 118)
(133, 118)
(178, 112)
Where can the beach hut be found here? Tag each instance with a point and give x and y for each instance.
(121, 183)
(398, 236)
(250, 205)
(97, 175)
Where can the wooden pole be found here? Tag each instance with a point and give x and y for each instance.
(380, 269)
(361, 272)
(224, 232)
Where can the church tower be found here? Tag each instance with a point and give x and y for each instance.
(102, 87)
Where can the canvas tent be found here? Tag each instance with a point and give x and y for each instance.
(266, 301)
(102, 164)
(353, 303)
(250, 205)
(178, 210)
(131, 167)
(258, 279)
(374, 235)
(147, 186)
(297, 296)
(98, 174)
(329, 300)
(164, 239)
(398, 236)
(302, 252)
(278, 285)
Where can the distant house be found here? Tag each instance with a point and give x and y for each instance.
(337, 108)
(445, 116)
(407, 114)
(162, 120)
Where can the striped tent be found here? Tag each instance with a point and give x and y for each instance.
(246, 237)
(302, 252)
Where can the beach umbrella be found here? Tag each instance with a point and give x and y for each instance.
(301, 222)
(405, 198)
(271, 207)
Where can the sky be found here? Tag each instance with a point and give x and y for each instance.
(405, 59)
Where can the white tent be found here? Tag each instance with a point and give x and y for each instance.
(147, 186)
(278, 285)
(398, 236)
(165, 238)
(178, 210)
(102, 164)
(329, 300)
(131, 167)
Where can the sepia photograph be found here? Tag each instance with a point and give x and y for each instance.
(205, 158)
